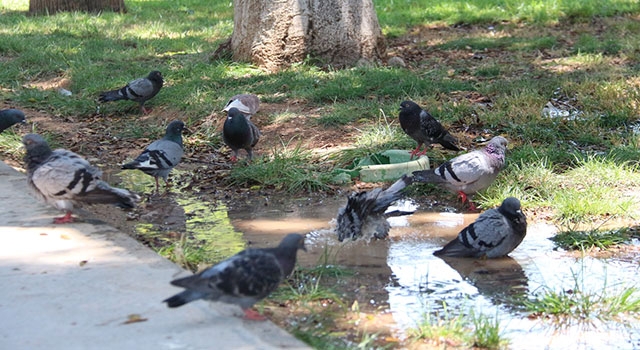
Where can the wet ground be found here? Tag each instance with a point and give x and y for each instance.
(399, 277)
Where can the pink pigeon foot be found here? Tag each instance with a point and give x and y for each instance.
(67, 218)
(251, 314)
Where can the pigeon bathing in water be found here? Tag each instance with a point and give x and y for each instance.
(364, 214)
(140, 90)
(8, 117)
(162, 155)
(239, 132)
(495, 233)
(468, 173)
(247, 104)
(423, 128)
(243, 279)
(62, 178)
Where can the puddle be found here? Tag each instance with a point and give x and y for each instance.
(400, 275)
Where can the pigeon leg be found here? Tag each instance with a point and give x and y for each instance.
(157, 185)
(67, 218)
(422, 153)
(251, 314)
(416, 151)
(464, 199)
(234, 159)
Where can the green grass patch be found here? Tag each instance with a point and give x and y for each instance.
(288, 169)
(473, 330)
(578, 304)
(586, 240)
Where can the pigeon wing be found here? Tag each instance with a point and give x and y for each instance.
(65, 175)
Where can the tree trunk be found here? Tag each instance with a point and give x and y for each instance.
(273, 34)
(52, 6)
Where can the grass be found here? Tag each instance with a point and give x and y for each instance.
(578, 304)
(587, 240)
(473, 330)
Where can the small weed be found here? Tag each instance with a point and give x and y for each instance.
(486, 332)
(580, 304)
(586, 240)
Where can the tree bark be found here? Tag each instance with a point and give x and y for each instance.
(37, 7)
(274, 34)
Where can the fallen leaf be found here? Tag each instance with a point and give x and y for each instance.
(83, 262)
(134, 318)
(63, 236)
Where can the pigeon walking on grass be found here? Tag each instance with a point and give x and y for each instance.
(364, 213)
(247, 104)
(62, 178)
(495, 233)
(9, 117)
(243, 279)
(140, 90)
(423, 128)
(239, 132)
(468, 173)
(161, 156)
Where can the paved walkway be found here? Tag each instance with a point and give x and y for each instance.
(80, 286)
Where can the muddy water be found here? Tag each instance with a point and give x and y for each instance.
(414, 282)
(403, 280)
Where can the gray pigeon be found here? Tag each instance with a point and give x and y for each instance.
(247, 104)
(62, 178)
(8, 117)
(468, 173)
(162, 155)
(239, 132)
(495, 233)
(243, 279)
(423, 128)
(140, 90)
(364, 213)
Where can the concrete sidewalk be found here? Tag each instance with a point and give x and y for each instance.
(76, 286)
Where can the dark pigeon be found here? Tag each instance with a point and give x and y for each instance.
(243, 279)
(62, 179)
(161, 156)
(239, 132)
(9, 117)
(468, 173)
(495, 233)
(140, 90)
(364, 214)
(423, 128)
(247, 104)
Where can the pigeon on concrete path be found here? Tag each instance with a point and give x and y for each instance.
(62, 178)
(161, 156)
(495, 233)
(468, 173)
(243, 279)
(140, 90)
(423, 128)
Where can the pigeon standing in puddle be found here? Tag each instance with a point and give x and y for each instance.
(161, 156)
(495, 233)
(364, 214)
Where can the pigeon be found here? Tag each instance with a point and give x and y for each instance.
(494, 234)
(162, 155)
(8, 117)
(364, 213)
(243, 279)
(470, 172)
(62, 179)
(140, 90)
(247, 104)
(239, 132)
(423, 128)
